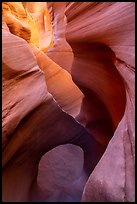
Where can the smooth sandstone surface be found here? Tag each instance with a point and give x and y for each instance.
(61, 49)
(58, 81)
(68, 96)
(113, 25)
(25, 137)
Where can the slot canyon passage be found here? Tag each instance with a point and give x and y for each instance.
(68, 98)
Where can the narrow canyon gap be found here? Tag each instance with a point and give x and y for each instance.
(68, 93)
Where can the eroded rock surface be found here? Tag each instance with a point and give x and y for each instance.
(68, 101)
(113, 25)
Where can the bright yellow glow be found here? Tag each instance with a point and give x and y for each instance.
(41, 34)
(34, 30)
(30, 21)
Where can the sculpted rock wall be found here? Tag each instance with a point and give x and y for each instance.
(58, 81)
(61, 49)
(43, 109)
(16, 19)
(101, 36)
(111, 77)
(33, 123)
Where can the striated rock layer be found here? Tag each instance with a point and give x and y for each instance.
(102, 37)
(68, 107)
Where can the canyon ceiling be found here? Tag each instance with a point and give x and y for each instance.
(68, 101)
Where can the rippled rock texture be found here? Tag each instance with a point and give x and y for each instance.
(68, 98)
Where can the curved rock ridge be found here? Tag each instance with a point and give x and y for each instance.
(61, 49)
(26, 103)
(16, 19)
(68, 96)
(111, 24)
(58, 81)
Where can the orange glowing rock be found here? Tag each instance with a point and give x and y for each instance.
(68, 101)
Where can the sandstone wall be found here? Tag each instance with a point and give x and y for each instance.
(68, 90)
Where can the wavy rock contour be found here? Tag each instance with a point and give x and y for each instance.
(68, 101)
